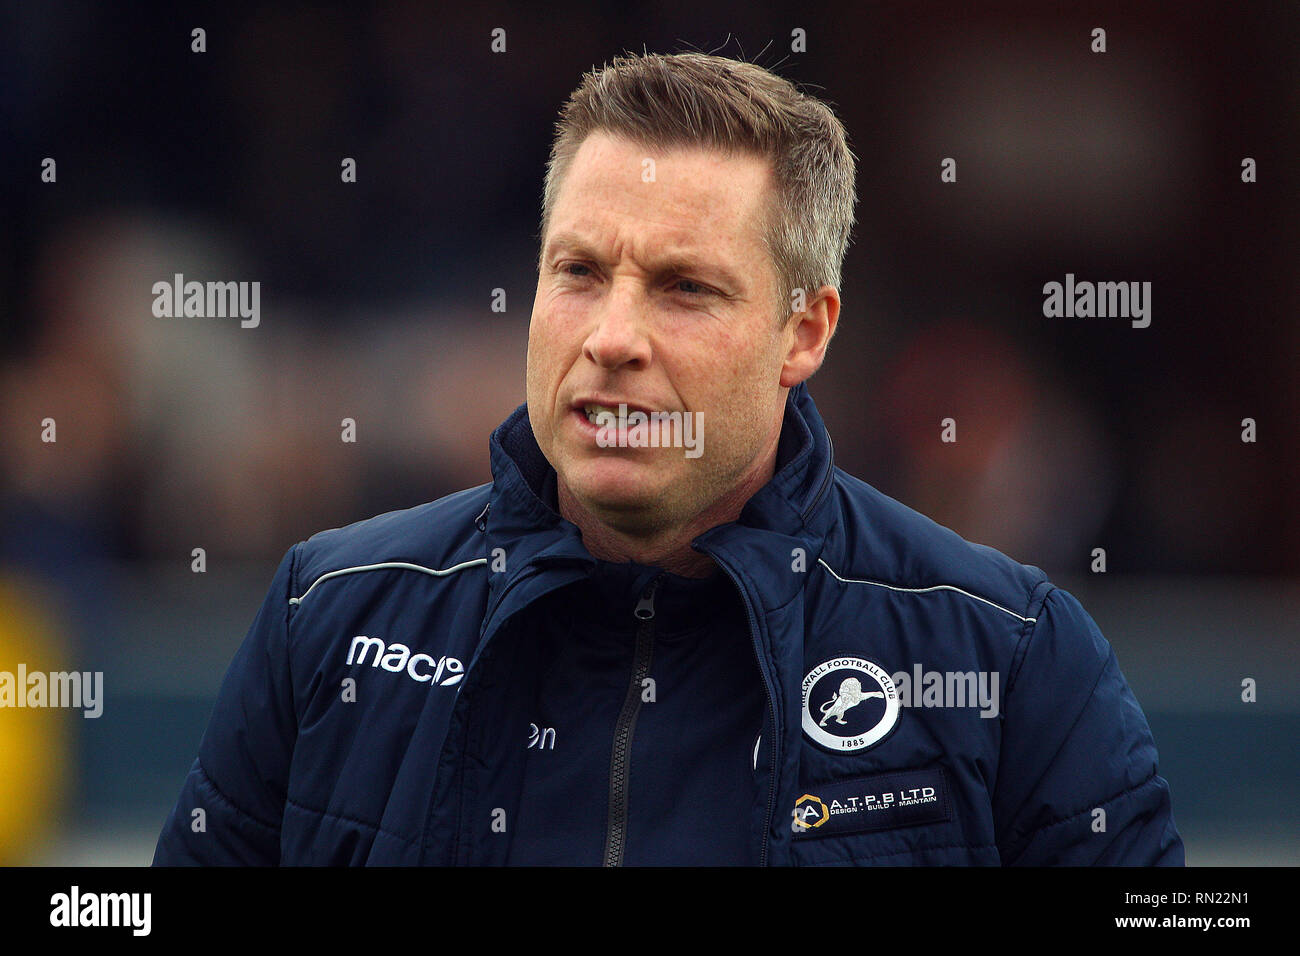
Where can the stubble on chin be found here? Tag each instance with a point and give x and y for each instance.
(627, 515)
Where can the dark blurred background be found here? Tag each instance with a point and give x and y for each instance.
(1073, 434)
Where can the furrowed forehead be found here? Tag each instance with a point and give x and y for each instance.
(704, 211)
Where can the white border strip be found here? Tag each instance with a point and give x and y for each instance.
(937, 587)
(388, 564)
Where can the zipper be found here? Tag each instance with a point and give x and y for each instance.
(458, 783)
(620, 762)
(471, 673)
(771, 710)
(519, 578)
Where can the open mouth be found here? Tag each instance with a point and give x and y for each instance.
(629, 426)
(608, 415)
(609, 425)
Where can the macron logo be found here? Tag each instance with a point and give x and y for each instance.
(444, 671)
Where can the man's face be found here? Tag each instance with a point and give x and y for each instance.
(660, 295)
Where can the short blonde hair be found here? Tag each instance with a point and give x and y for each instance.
(697, 99)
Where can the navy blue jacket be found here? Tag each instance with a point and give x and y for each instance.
(463, 683)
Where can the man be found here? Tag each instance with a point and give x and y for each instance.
(648, 641)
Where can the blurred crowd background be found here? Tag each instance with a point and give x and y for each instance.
(183, 433)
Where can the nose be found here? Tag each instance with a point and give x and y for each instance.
(619, 336)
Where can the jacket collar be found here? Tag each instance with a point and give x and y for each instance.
(791, 511)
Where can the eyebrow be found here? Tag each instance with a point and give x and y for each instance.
(674, 261)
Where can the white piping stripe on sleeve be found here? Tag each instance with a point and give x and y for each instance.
(402, 565)
(937, 587)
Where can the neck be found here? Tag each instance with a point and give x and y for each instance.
(668, 545)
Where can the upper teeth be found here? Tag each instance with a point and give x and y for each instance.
(594, 410)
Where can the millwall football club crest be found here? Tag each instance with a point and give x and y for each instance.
(849, 704)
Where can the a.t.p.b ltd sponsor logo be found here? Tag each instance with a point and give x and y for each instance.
(879, 802)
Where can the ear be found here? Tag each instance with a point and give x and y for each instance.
(807, 335)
